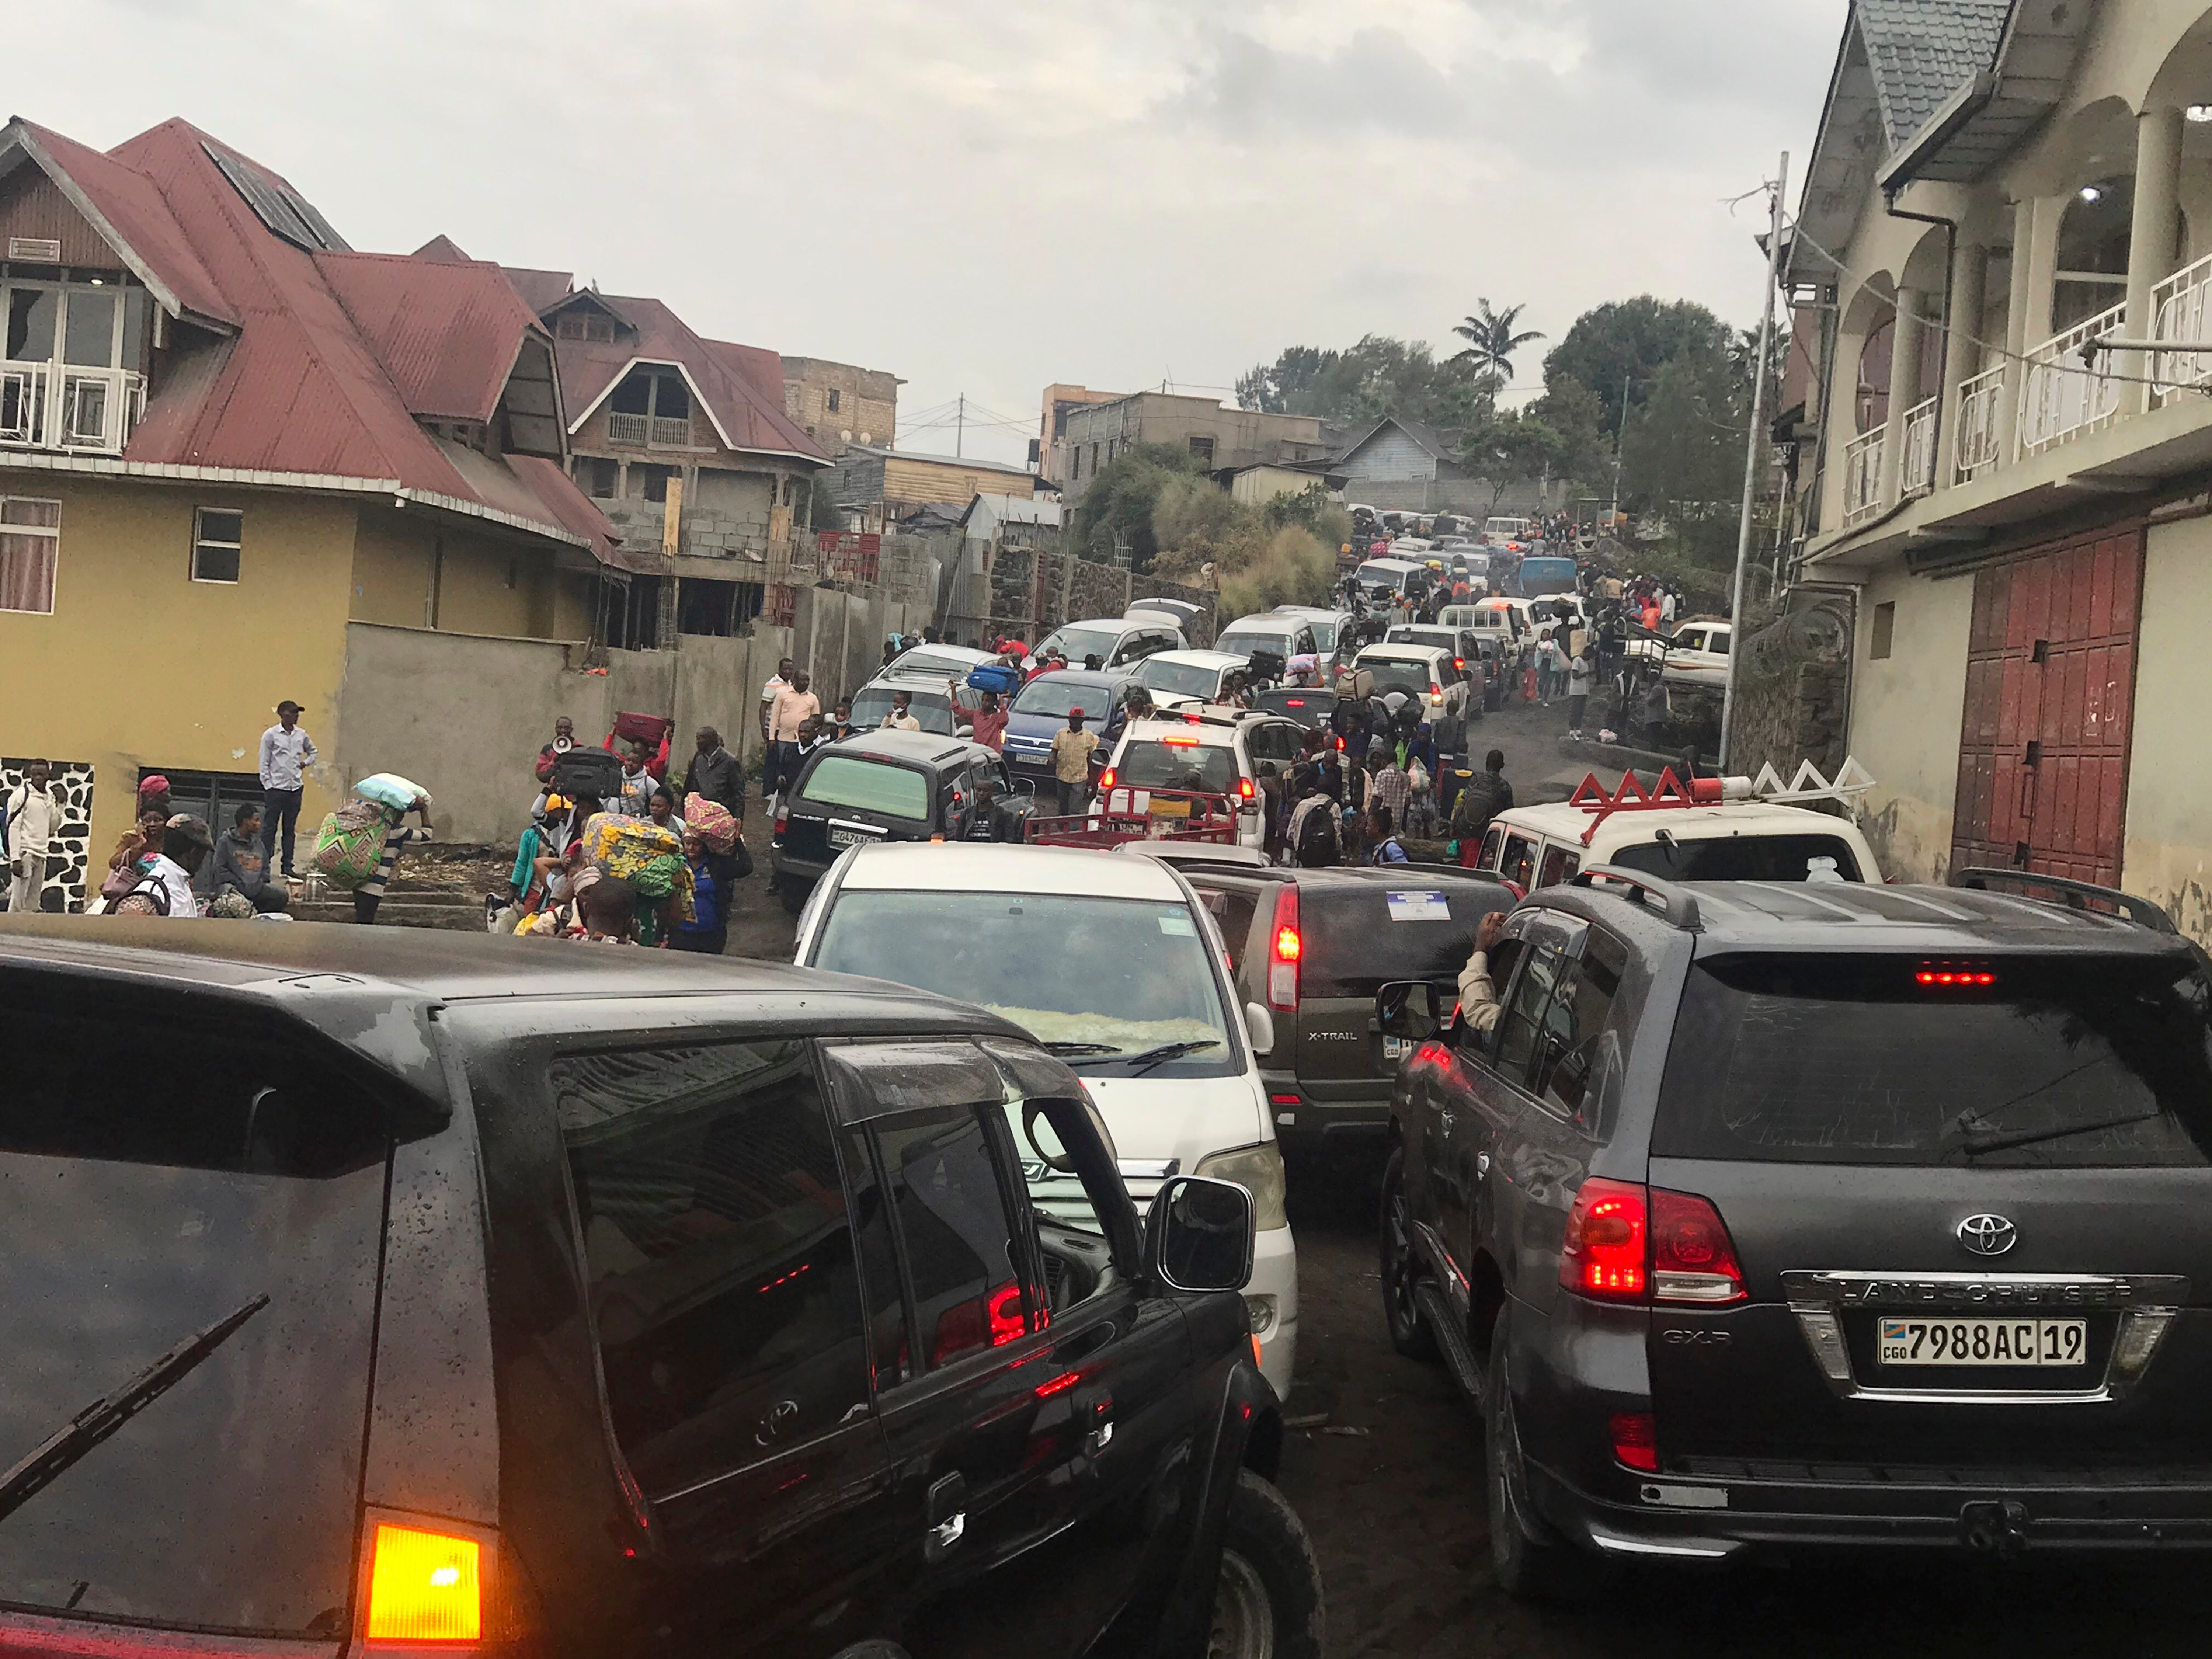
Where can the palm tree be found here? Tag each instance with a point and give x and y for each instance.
(1492, 341)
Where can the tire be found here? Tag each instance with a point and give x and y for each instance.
(794, 897)
(1267, 1600)
(1533, 1563)
(1410, 1334)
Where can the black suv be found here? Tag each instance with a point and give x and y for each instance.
(1314, 947)
(1772, 1215)
(397, 1291)
(886, 785)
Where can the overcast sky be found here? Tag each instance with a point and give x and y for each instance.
(989, 195)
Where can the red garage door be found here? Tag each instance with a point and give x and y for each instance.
(2051, 677)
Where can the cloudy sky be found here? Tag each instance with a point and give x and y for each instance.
(987, 195)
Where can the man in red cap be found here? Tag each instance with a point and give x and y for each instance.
(1072, 750)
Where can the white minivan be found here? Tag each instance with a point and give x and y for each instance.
(1113, 964)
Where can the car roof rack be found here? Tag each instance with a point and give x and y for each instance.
(1677, 904)
(2071, 895)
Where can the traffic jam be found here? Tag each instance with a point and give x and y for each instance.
(1752, 1206)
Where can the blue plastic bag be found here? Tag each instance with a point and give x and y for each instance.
(390, 789)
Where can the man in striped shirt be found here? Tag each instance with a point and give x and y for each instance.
(370, 893)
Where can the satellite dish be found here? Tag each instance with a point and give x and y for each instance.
(846, 436)
(866, 438)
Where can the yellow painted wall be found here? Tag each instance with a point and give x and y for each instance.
(410, 571)
(140, 665)
(1906, 713)
(2165, 847)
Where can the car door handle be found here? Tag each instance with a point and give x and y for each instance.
(1447, 1119)
(1482, 1163)
(1099, 1411)
(947, 1515)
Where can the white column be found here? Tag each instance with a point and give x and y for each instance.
(2150, 233)
(1903, 391)
(1970, 265)
(1839, 424)
(2017, 338)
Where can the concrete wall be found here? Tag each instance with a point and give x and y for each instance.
(2166, 842)
(139, 666)
(1454, 495)
(1907, 711)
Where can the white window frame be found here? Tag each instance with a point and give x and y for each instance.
(201, 539)
(117, 290)
(53, 530)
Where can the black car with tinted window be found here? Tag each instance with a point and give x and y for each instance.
(1314, 947)
(888, 786)
(393, 1293)
(1780, 1217)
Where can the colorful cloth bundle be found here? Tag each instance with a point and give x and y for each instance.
(645, 854)
(711, 821)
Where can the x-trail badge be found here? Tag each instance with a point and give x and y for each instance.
(1988, 1235)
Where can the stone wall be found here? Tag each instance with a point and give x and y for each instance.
(1452, 496)
(1032, 592)
(1793, 688)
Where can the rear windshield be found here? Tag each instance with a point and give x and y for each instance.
(1244, 643)
(1148, 764)
(1857, 1060)
(1442, 638)
(162, 1175)
(1188, 678)
(1055, 695)
(869, 786)
(1744, 858)
(1396, 674)
(1309, 706)
(932, 708)
(1077, 643)
(1359, 937)
(1324, 633)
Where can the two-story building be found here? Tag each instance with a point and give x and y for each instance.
(1223, 438)
(2006, 232)
(841, 404)
(238, 461)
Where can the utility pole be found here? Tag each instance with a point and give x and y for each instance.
(1619, 437)
(1750, 455)
(960, 430)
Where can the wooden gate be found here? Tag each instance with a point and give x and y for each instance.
(2050, 677)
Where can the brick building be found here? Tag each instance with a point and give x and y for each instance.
(838, 403)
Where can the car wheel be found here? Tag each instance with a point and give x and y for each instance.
(793, 896)
(1266, 1602)
(1401, 1267)
(1533, 1563)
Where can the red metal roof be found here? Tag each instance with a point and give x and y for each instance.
(336, 354)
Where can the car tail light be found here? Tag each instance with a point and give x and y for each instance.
(1285, 946)
(1636, 1440)
(1692, 1257)
(1106, 779)
(1340, 745)
(1460, 663)
(1244, 788)
(1605, 1251)
(425, 1586)
(991, 1321)
(782, 818)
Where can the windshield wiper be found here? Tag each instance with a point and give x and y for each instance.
(1147, 1058)
(1979, 1136)
(61, 1451)
(1065, 1048)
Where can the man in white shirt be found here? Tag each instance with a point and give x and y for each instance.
(287, 752)
(32, 818)
(775, 683)
(166, 888)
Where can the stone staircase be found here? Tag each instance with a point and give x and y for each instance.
(406, 904)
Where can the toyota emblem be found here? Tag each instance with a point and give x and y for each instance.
(1988, 1235)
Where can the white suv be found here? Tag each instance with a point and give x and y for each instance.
(1218, 751)
(1112, 964)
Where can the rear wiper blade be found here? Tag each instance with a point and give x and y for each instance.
(1978, 1137)
(1065, 1048)
(1168, 1051)
(101, 1418)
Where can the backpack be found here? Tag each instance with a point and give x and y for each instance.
(150, 888)
(1317, 847)
(1477, 803)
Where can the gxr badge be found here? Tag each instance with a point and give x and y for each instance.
(1988, 1235)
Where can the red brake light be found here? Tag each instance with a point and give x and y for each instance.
(1636, 1440)
(1692, 1257)
(1605, 1250)
(1244, 788)
(1285, 944)
(1957, 976)
(782, 817)
(990, 1322)
(1460, 663)
(1106, 779)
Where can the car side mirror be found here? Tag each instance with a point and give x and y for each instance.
(1407, 1009)
(1259, 1027)
(1199, 1235)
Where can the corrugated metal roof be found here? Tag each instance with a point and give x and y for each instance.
(336, 354)
(1921, 52)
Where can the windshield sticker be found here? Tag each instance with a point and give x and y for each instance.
(1177, 928)
(1418, 906)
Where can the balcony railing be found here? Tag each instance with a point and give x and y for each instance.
(1862, 477)
(1917, 465)
(2181, 309)
(69, 407)
(672, 431)
(2062, 397)
(1981, 403)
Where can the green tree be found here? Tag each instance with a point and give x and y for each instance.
(1511, 447)
(1491, 343)
(1574, 412)
(1629, 340)
(1378, 376)
(1683, 452)
(1122, 499)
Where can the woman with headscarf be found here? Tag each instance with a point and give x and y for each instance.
(710, 834)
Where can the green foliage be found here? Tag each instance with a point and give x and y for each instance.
(1379, 376)
(1123, 496)
(1492, 342)
(1684, 441)
(1573, 411)
(1311, 510)
(1632, 338)
(1509, 447)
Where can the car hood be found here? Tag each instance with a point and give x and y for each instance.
(1154, 1119)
